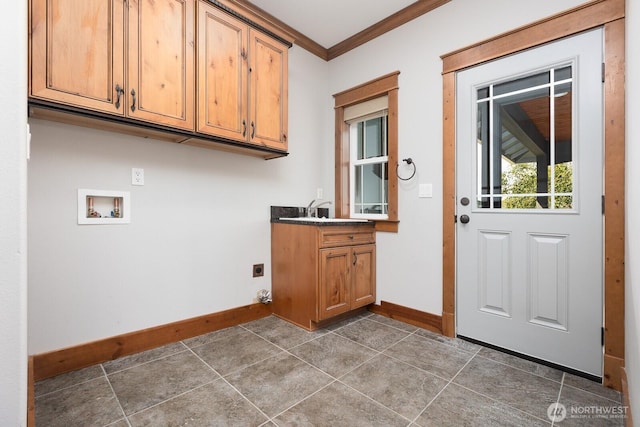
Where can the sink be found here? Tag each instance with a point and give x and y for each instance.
(323, 220)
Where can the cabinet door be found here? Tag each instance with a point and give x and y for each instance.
(268, 108)
(363, 291)
(335, 282)
(77, 52)
(161, 62)
(222, 74)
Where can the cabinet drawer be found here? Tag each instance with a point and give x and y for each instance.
(332, 237)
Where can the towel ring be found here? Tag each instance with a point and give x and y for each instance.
(408, 161)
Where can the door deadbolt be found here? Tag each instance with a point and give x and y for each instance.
(464, 201)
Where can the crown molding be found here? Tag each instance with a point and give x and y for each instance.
(392, 22)
(399, 18)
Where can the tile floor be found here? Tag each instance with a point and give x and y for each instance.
(366, 371)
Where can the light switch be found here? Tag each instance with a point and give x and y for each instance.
(425, 190)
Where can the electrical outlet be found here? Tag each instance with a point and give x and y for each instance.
(258, 270)
(137, 176)
(319, 193)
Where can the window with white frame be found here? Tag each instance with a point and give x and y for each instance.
(366, 119)
(368, 159)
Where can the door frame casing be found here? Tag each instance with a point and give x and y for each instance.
(609, 14)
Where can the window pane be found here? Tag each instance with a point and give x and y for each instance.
(523, 83)
(563, 170)
(357, 203)
(371, 183)
(375, 137)
(562, 74)
(483, 152)
(360, 140)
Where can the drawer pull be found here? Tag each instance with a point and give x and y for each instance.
(133, 105)
(119, 93)
(351, 236)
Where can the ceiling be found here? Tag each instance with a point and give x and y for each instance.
(328, 22)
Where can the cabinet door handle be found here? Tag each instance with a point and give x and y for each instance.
(244, 128)
(133, 104)
(253, 130)
(119, 93)
(355, 257)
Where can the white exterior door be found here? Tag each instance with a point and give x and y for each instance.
(529, 202)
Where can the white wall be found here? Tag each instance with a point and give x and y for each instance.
(410, 262)
(197, 225)
(632, 277)
(13, 233)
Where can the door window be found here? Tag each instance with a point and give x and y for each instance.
(524, 142)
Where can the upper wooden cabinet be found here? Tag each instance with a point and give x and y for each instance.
(242, 81)
(79, 51)
(130, 66)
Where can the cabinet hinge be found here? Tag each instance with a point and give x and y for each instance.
(603, 67)
(603, 204)
(602, 336)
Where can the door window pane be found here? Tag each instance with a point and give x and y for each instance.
(563, 156)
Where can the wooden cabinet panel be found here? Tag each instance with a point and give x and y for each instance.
(363, 291)
(161, 62)
(77, 52)
(222, 71)
(269, 95)
(335, 282)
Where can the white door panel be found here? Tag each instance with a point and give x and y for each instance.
(529, 258)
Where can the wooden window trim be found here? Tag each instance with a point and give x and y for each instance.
(385, 85)
(608, 14)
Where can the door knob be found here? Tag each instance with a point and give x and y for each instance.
(464, 219)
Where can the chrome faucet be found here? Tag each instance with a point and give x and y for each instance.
(314, 209)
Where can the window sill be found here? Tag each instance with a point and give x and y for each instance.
(389, 226)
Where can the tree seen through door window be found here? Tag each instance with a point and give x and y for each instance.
(523, 179)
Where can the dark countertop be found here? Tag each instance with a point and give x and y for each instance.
(278, 212)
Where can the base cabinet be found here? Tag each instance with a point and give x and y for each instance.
(319, 272)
